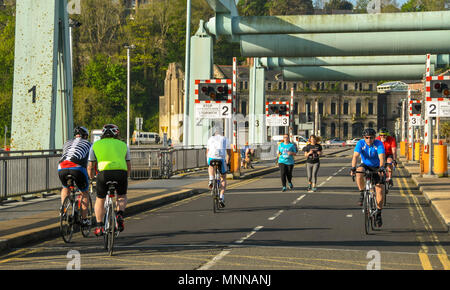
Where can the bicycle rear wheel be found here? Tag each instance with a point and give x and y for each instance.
(67, 220)
(110, 230)
(86, 229)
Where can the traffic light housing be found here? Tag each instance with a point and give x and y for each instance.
(440, 89)
(416, 108)
(213, 92)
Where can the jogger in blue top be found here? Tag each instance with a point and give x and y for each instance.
(286, 153)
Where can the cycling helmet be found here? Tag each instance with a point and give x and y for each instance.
(383, 131)
(369, 132)
(110, 130)
(82, 131)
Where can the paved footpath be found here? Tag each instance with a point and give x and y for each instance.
(33, 221)
(435, 190)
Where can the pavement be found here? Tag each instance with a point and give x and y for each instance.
(36, 220)
(436, 190)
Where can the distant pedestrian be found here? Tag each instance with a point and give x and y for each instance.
(286, 152)
(313, 151)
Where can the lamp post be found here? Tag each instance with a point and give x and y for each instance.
(128, 47)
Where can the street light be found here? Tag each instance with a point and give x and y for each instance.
(128, 47)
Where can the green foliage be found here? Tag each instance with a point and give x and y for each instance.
(290, 7)
(444, 130)
(338, 5)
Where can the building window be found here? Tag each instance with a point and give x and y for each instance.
(370, 108)
(279, 86)
(360, 86)
(333, 130)
(370, 87)
(269, 86)
(284, 86)
(345, 130)
(246, 85)
(356, 86)
(244, 108)
(295, 108)
(346, 108)
(294, 86)
(358, 107)
(320, 108)
(241, 85)
(317, 86)
(333, 108)
(345, 87)
(322, 86)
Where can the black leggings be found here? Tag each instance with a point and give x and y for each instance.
(286, 172)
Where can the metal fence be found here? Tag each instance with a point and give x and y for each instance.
(30, 172)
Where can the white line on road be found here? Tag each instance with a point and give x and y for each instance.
(276, 215)
(215, 260)
(249, 235)
(226, 252)
(330, 177)
(298, 199)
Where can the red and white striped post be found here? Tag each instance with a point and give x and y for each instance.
(428, 138)
(291, 115)
(234, 105)
(410, 128)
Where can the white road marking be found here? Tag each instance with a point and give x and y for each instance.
(215, 260)
(276, 215)
(249, 235)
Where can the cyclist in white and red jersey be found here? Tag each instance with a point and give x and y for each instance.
(74, 162)
(390, 147)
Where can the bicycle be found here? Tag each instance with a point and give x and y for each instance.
(71, 213)
(388, 186)
(215, 191)
(369, 201)
(110, 219)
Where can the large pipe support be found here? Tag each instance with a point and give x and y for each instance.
(346, 44)
(276, 62)
(348, 73)
(223, 24)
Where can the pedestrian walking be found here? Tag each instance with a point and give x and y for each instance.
(313, 151)
(286, 152)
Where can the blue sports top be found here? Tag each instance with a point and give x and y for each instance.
(369, 154)
(283, 149)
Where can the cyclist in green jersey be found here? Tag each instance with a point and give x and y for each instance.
(112, 159)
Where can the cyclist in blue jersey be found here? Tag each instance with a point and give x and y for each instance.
(372, 156)
(286, 153)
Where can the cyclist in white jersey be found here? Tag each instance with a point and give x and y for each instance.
(218, 148)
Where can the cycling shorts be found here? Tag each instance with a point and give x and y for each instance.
(223, 170)
(80, 175)
(104, 176)
(374, 170)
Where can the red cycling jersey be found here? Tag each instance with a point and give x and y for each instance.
(389, 143)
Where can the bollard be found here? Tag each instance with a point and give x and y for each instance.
(425, 162)
(440, 160)
(235, 164)
(403, 148)
(409, 154)
(417, 151)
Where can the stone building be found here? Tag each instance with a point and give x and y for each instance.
(345, 108)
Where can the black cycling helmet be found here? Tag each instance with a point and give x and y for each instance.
(110, 130)
(82, 131)
(383, 131)
(369, 132)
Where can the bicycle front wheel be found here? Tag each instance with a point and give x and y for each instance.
(67, 220)
(366, 211)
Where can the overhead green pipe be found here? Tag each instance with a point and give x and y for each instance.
(441, 60)
(225, 24)
(346, 44)
(349, 73)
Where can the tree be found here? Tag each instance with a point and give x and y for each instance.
(338, 5)
(290, 7)
(253, 7)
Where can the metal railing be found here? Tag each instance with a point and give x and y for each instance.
(37, 172)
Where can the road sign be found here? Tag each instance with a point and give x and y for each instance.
(415, 121)
(277, 114)
(306, 126)
(438, 109)
(139, 122)
(205, 110)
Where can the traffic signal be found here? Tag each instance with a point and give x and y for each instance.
(283, 110)
(416, 108)
(440, 89)
(213, 92)
(278, 109)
